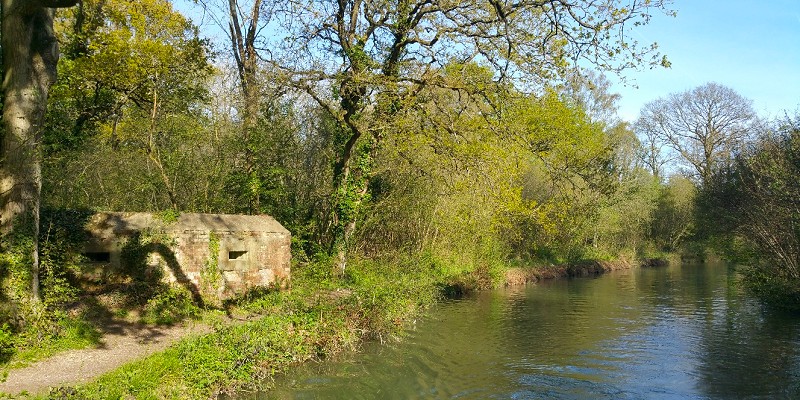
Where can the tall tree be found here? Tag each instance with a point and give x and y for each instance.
(592, 91)
(704, 125)
(131, 74)
(362, 60)
(242, 21)
(751, 211)
(651, 152)
(30, 56)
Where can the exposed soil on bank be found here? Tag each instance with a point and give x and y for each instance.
(522, 276)
(122, 342)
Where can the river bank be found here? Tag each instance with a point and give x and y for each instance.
(320, 316)
(686, 331)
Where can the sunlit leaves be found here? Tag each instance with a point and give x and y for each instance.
(134, 76)
(128, 49)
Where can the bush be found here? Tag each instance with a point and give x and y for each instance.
(750, 212)
(772, 289)
(6, 343)
(170, 306)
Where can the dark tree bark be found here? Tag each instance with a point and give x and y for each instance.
(30, 56)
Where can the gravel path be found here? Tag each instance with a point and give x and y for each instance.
(121, 343)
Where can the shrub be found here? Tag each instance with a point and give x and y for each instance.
(170, 306)
(6, 343)
(751, 212)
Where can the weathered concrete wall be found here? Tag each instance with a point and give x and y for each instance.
(215, 256)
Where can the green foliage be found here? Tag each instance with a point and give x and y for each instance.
(129, 90)
(42, 327)
(569, 173)
(393, 79)
(168, 216)
(141, 286)
(15, 262)
(464, 162)
(506, 176)
(772, 288)
(60, 260)
(266, 156)
(749, 212)
(210, 274)
(625, 217)
(135, 252)
(113, 60)
(6, 343)
(674, 219)
(170, 306)
(352, 194)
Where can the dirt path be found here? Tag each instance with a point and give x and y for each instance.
(121, 343)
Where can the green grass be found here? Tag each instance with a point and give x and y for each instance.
(321, 315)
(31, 346)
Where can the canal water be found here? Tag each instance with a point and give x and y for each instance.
(682, 332)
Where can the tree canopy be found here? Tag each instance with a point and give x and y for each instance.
(705, 126)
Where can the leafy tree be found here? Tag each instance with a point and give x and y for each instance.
(132, 80)
(467, 174)
(625, 213)
(652, 152)
(674, 220)
(623, 219)
(705, 126)
(591, 91)
(568, 173)
(363, 60)
(446, 180)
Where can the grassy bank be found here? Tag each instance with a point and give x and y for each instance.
(321, 315)
(269, 331)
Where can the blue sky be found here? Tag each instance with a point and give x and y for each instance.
(750, 46)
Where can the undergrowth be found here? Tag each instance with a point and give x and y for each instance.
(75, 298)
(323, 314)
(269, 330)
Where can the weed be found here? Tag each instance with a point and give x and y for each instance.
(170, 306)
(6, 343)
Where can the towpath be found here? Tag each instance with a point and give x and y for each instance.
(121, 343)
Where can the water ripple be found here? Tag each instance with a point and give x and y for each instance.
(676, 333)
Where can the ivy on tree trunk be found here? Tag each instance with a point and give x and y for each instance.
(30, 56)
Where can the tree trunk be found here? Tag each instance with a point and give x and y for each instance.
(342, 243)
(30, 55)
(246, 56)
